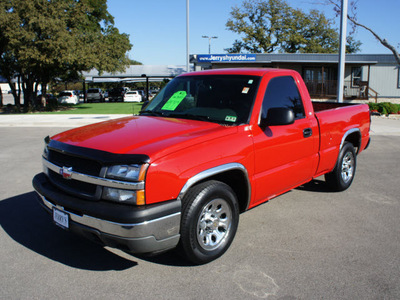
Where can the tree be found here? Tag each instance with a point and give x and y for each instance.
(273, 26)
(44, 39)
(352, 17)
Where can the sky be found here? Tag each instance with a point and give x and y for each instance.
(157, 28)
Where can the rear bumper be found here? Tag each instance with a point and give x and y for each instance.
(116, 98)
(150, 229)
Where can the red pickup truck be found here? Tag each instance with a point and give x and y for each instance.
(208, 147)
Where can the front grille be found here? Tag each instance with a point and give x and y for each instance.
(78, 164)
(74, 187)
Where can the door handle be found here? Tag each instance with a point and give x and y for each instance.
(307, 132)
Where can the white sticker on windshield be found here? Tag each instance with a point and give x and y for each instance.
(245, 90)
(250, 81)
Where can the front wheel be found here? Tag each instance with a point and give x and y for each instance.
(210, 219)
(342, 175)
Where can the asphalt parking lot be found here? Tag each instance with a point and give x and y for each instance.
(306, 244)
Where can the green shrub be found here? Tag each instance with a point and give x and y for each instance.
(373, 106)
(382, 110)
(385, 107)
(391, 108)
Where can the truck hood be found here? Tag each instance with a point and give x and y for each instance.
(153, 136)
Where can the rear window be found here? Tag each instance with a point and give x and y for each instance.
(93, 91)
(69, 94)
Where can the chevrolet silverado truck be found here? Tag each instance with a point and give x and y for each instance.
(211, 145)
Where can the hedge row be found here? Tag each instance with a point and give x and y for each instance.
(385, 108)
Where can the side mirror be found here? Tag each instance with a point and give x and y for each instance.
(278, 116)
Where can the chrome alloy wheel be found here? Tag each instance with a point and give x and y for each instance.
(348, 167)
(214, 224)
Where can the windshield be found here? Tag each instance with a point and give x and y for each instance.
(226, 99)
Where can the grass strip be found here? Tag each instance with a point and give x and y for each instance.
(98, 108)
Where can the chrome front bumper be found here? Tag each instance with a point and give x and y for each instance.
(147, 236)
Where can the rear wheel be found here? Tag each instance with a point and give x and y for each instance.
(210, 219)
(342, 175)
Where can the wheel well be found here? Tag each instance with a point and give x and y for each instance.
(355, 139)
(237, 180)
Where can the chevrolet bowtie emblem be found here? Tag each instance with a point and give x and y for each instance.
(66, 172)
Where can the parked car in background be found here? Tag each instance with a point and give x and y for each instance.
(132, 96)
(143, 94)
(50, 99)
(80, 94)
(105, 95)
(152, 94)
(68, 97)
(117, 94)
(94, 94)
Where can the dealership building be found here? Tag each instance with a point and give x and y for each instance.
(373, 77)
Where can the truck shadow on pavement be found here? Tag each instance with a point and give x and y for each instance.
(22, 218)
(316, 185)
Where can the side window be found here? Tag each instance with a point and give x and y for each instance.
(283, 92)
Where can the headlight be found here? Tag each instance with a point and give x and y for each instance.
(134, 172)
(124, 196)
(127, 172)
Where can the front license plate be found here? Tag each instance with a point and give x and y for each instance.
(60, 218)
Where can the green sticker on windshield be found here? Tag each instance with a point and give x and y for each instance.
(174, 101)
(230, 119)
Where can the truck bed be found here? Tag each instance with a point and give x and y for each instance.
(336, 119)
(320, 106)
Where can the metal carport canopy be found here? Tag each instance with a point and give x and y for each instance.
(136, 73)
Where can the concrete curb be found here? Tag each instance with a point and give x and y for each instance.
(34, 120)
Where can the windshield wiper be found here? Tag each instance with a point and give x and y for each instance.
(191, 117)
(177, 115)
(152, 113)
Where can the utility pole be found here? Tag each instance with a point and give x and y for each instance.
(209, 41)
(342, 51)
(187, 36)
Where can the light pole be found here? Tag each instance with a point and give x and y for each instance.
(209, 41)
(342, 50)
(187, 36)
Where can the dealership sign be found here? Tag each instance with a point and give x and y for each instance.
(225, 57)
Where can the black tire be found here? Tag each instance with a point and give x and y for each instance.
(343, 174)
(210, 217)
